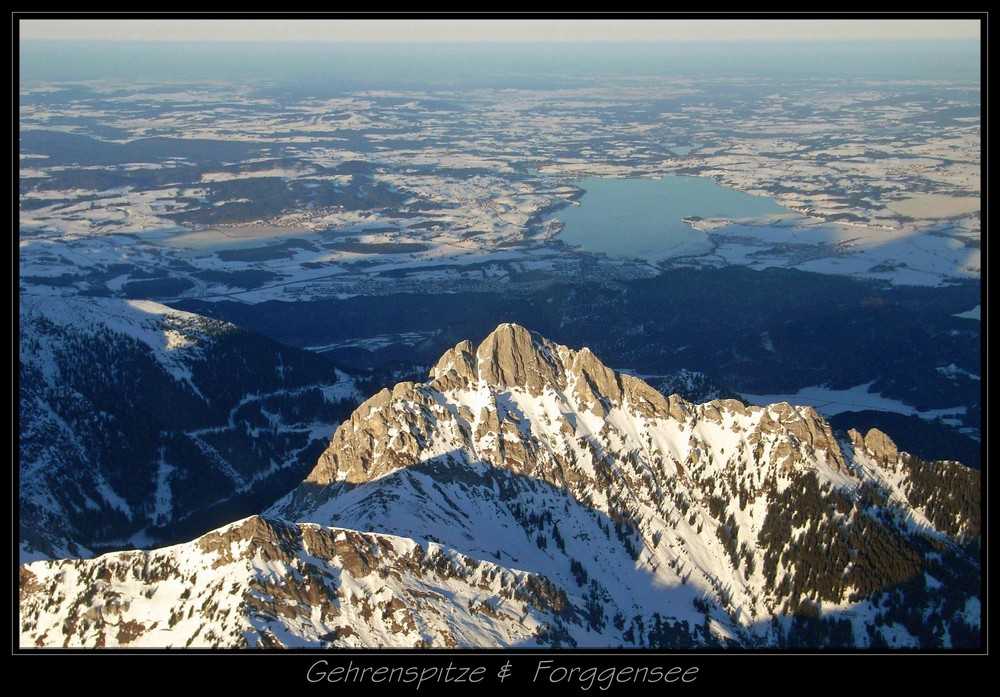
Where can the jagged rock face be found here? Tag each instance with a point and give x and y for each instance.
(471, 402)
(683, 479)
(876, 444)
(945, 495)
(257, 583)
(631, 519)
(510, 358)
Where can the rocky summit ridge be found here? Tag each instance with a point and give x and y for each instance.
(526, 494)
(478, 390)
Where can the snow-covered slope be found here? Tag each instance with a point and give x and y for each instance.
(647, 521)
(261, 582)
(137, 419)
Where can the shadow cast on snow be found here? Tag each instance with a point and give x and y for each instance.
(523, 523)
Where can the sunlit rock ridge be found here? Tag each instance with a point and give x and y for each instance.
(528, 495)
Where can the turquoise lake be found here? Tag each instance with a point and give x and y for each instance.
(644, 218)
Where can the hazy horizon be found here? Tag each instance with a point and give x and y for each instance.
(431, 28)
(381, 64)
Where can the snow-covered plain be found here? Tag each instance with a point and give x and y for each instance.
(863, 200)
(829, 402)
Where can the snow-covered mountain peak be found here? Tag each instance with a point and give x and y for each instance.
(510, 356)
(173, 337)
(140, 423)
(527, 494)
(522, 403)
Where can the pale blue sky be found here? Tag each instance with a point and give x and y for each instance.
(670, 30)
